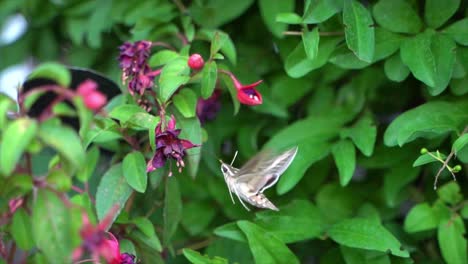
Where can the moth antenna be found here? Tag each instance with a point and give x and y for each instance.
(233, 159)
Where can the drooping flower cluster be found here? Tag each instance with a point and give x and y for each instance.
(133, 60)
(169, 146)
(101, 244)
(208, 108)
(92, 97)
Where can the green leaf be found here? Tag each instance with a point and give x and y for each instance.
(6, 103)
(344, 154)
(363, 134)
(142, 121)
(359, 30)
(299, 220)
(311, 40)
(289, 18)
(112, 190)
(395, 180)
(91, 160)
(436, 12)
(134, 171)
(174, 74)
(395, 69)
(16, 138)
(320, 10)
(231, 231)
(224, 42)
(360, 256)
(52, 71)
(460, 144)
(265, 247)
(297, 64)
(458, 31)
(148, 234)
(429, 120)
(124, 112)
(162, 57)
(197, 258)
(186, 102)
(426, 158)
(197, 215)
(450, 193)
(21, 230)
(420, 218)
(366, 234)
(51, 227)
(397, 16)
(214, 13)
(452, 243)
(192, 131)
(269, 11)
(172, 213)
(64, 140)
(430, 57)
(312, 146)
(209, 78)
(232, 91)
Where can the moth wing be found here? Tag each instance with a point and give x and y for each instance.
(264, 170)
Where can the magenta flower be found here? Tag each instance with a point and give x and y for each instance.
(208, 108)
(169, 146)
(133, 60)
(246, 94)
(92, 97)
(100, 243)
(196, 62)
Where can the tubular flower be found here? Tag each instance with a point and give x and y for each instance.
(169, 146)
(246, 94)
(208, 108)
(133, 60)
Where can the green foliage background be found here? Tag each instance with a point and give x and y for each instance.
(374, 93)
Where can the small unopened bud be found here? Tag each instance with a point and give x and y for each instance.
(196, 62)
(94, 100)
(456, 169)
(424, 150)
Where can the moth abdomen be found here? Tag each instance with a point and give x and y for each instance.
(261, 201)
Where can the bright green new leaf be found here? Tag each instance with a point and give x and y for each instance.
(134, 171)
(430, 57)
(172, 209)
(395, 69)
(429, 120)
(112, 190)
(344, 154)
(366, 234)
(209, 78)
(64, 140)
(162, 57)
(288, 18)
(197, 258)
(311, 40)
(452, 242)
(420, 218)
(426, 158)
(6, 103)
(16, 138)
(397, 16)
(320, 10)
(186, 102)
(269, 12)
(52, 71)
(124, 112)
(359, 30)
(173, 75)
(437, 12)
(458, 31)
(266, 247)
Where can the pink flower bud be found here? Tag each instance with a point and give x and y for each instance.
(196, 62)
(86, 87)
(95, 100)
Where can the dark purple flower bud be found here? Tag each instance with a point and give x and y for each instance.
(126, 258)
(208, 108)
(169, 146)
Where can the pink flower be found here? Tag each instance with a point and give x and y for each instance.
(169, 146)
(93, 99)
(196, 62)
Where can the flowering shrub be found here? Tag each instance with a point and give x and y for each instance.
(123, 167)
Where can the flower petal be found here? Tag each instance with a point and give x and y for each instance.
(249, 96)
(187, 144)
(172, 123)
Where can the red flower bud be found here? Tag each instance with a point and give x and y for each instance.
(86, 87)
(196, 62)
(95, 100)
